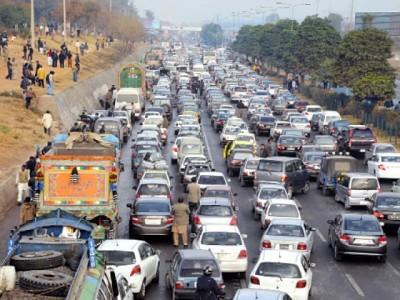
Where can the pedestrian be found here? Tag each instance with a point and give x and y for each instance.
(78, 32)
(269, 148)
(194, 195)
(30, 55)
(241, 107)
(46, 30)
(86, 47)
(14, 68)
(30, 94)
(47, 122)
(75, 73)
(181, 212)
(294, 86)
(62, 57)
(263, 151)
(102, 129)
(77, 59)
(41, 75)
(47, 148)
(30, 165)
(69, 59)
(44, 48)
(24, 84)
(25, 51)
(21, 182)
(9, 69)
(50, 83)
(165, 122)
(103, 43)
(29, 42)
(77, 45)
(50, 58)
(97, 44)
(27, 211)
(82, 49)
(55, 58)
(206, 287)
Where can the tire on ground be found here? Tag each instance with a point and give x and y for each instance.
(37, 260)
(46, 282)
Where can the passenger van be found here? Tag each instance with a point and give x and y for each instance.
(326, 117)
(132, 99)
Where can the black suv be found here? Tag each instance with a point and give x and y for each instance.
(356, 139)
(263, 124)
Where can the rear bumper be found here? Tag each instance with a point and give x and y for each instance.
(150, 230)
(239, 265)
(362, 250)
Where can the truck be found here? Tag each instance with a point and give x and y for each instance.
(80, 175)
(54, 257)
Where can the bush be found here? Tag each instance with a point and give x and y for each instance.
(332, 101)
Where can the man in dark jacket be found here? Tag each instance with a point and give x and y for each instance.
(241, 108)
(207, 288)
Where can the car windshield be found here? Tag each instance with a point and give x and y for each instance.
(299, 120)
(392, 159)
(285, 230)
(252, 164)
(243, 155)
(194, 267)
(148, 207)
(270, 166)
(267, 119)
(364, 184)
(215, 211)
(363, 133)
(314, 109)
(361, 225)
(192, 149)
(119, 258)
(146, 147)
(245, 138)
(211, 179)
(275, 193)
(218, 193)
(283, 210)
(385, 149)
(292, 132)
(390, 203)
(235, 130)
(278, 270)
(155, 175)
(221, 238)
(194, 170)
(283, 125)
(153, 189)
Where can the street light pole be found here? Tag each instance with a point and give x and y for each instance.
(318, 7)
(32, 22)
(65, 21)
(293, 6)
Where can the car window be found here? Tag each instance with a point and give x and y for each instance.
(362, 225)
(314, 109)
(145, 207)
(346, 181)
(298, 165)
(191, 148)
(283, 210)
(363, 133)
(290, 140)
(243, 155)
(278, 269)
(392, 203)
(218, 193)
(364, 184)
(194, 267)
(270, 166)
(285, 230)
(252, 164)
(273, 193)
(119, 258)
(215, 211)
(314, 158)
(221, 238)
(385, 149)
(210, 179)
(153, 189)
(394, 159)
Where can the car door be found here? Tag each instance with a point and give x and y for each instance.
(336, 228)
(146, 262)
(301, 173)
(341, 188)
(372, 164)
(197, 239)
(290, 172)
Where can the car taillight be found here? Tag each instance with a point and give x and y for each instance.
(378, 214)
(221, 285)
(266, 244)
(219, 122)
(196, 220)
(179, 285)
(301, 246)
(379, 190)
(136, 270)
(254, 280)
(169, 196)
(137, 196)
(350, 144)
(280, 147)
(170, 220)
(135, 220)
(344, 238)
(242, 254)
(233, 221)
(382, 240)
(245, 174)
(308, 126)
(284, 178)
(348, 192)
(381, 167)
(301, 284)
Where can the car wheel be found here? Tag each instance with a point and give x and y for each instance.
(382, 259)
(336, 253)
(167, 282)
(306, 188)
(290, 192)
(142, 293)
(156, 278)
(325, 191)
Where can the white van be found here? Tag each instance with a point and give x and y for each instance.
(198, 69)
(132, 99)
(326, 117)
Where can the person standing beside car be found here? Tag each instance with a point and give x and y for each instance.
(194, 195)
(181, 212)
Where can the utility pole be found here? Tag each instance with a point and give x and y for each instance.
(65, 21)
(110, 5)
(318, 7)
(33, 22)
(352, 15)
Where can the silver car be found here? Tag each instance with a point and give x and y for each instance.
(326, 142)
(265, 192)
(247, 171)
(251, 294)
(378, 148)
(288, 234)
(301, 123)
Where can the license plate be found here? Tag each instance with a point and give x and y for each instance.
(152, 221)
(290, 148)
(284, 247)
(223, 256)
(363, 242)
(362, 150)
(394, 217)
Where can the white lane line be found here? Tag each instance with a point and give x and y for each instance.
(323, 239)
(243, 283)
(395, 271)
(208, 147)
(354, 284)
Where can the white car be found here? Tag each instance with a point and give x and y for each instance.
(288, 235)
(228, 134)
(279, 209)
(385, 165)
(284, 271)
(147, 114)
(378, 148)
(136, 260)
(179, 121)
(326, 117)
(277, 129)
(205, 179)
(245, 137)
(229, 108)
(301, 123)
(191, 158)
(310, 110)
(227, 245)
(265, 192)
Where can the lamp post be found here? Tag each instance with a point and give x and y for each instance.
(33, 22)
(293, 6)
(271, 9)
(65, 21)
(317, 6)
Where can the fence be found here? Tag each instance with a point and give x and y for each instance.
(383, 126)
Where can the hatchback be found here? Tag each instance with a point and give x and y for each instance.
(279, 209)
(247, 170)
(205, 179)
(265, 192)
(153, 188)
(251, 294)
(386, 207)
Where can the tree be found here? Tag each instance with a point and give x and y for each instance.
(361, 63)
(11, 14)
(149, 15)
(336, 21)
(212, 34)
(316, 41)
(283, 45)
(367, 20)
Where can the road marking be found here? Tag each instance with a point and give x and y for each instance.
(323, 239)
(354, 284)
(393, 269)
(243, 283)
(208, 147)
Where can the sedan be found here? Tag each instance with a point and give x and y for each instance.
(385, 166)
(386, 207)
(357, 234)
(227, 245)
(235, 160)
(247, 171)
(308, 148)
(288, 234)
(301, 123)
(228, 134)
(326, 142)
(279, 209)
(378, 148)
(288, 145)
(221, 191)
(150, 217)
(205, 179)
(264, 124)
(312, 161)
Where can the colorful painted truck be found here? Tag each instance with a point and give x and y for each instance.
(54, 257)
(80, 175)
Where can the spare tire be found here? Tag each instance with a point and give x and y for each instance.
(37, 260)
(46, 282)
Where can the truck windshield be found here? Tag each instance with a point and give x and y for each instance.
(119, 258)
(133, 98)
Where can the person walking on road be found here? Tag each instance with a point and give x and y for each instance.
(21, 183)
(194, 195)
(27, 211)
(270, 148)
(180, 211)
(206, 287)
(165, 122)
(241, 107)
(29, 95)
(263, 151)
(50, 83)
(47, 122)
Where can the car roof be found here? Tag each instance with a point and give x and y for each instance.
(215, 201)
(196, 253)
(119, 245)
(213, 173)
(279, 256)
(284, 221)
(359, 174)
(279, 158)
(388, 194)
(219, 228)
(218, 187)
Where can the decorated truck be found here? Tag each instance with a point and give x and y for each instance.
(80, 176)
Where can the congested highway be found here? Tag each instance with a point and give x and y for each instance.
(352, 278)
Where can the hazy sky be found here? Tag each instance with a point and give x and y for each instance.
(196, 12)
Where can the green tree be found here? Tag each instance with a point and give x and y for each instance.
(362, 64)
(283, 45)
(212, 34)
(316, 41)
(11, 14)
(336, 21)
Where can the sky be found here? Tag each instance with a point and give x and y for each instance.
(198, 12)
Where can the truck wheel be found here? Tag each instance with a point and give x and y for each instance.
(45, 282)
(37, 260)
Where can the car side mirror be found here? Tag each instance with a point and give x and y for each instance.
(329, 221)
(312, 265)
(134, 187)
(129, 205)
